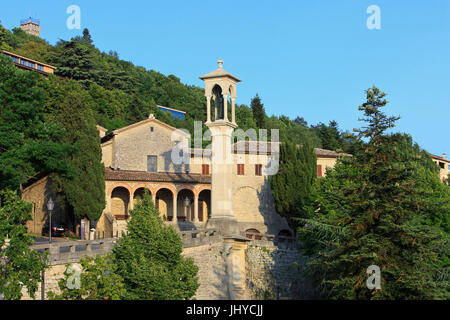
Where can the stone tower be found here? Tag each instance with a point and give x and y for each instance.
(220, 86)
(31, 26)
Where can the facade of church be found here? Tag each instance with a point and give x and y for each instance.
(223, 187)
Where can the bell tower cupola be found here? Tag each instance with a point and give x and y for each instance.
(220, 86)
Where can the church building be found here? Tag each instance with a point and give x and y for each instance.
(224, 187)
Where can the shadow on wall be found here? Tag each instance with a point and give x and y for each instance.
(62, 215)
(278, 274)
(274, 222)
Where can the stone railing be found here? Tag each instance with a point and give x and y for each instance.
(66, 252)
(270, 240)
(194, 238)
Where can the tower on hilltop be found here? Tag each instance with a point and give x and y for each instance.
(31, 26)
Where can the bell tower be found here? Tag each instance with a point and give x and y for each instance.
(220, 86)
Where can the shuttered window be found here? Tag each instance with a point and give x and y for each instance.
(319, 171)
(240, 170)
(258, 170)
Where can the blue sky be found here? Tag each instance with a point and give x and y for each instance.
(305, 58)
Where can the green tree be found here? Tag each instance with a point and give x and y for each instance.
(85, 192)
(76, 61)
(292, 185)
(375, 209)
(259, 114)
(19, 265)
(29, 144)
(330, 136)
(149, 258)
(97, 280)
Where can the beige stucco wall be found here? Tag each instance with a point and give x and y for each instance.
(38, 194)
(326, 163)
(131, 147)
(443, 172)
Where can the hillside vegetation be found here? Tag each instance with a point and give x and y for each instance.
(120, 93)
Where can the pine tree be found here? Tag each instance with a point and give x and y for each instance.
(372, 209)
(259, 114)
(149, 258)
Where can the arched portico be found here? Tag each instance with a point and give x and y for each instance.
(120, 203)
(165, 202)
(185, 205)
(204, 205)
(139, 194)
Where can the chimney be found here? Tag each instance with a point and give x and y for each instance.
(444, 156)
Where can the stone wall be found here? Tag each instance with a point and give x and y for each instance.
(273, 273)
(212, 271)
(52, 275)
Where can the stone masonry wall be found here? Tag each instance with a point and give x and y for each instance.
(52, 275)
(212, 271)
(273, 273)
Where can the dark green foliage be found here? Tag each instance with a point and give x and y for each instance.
(330, 135)
(76, 61)
(386, 207)
(259, 114)
(85, 191)
(29, 145)
(291, 187)
(19, 265)
(149, 258)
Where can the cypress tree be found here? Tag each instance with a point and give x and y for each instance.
(291, 186)
(85, 192)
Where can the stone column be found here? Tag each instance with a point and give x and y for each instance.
(208, 109)
(131, 204)
(234, 254)
(174, 209)
(222, 163)
(154, 199)
(233, 110)
(225, 107)
(195, 208)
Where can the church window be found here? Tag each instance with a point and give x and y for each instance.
(152, 163)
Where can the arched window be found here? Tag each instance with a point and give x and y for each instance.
(253, 234)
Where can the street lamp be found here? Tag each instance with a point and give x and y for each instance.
(50, 206)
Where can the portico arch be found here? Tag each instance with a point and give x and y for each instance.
(120, 201)
(139, 194)
(185, 213)
(164, 202)
(204, 205)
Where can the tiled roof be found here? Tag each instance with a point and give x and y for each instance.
(329, 153)
(440, 158)
(128, 175)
